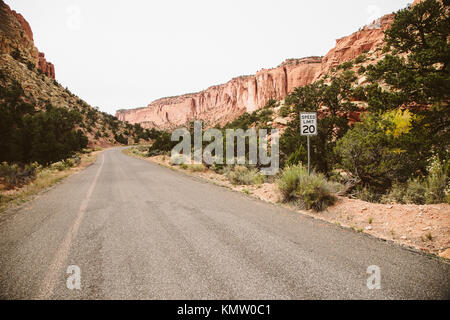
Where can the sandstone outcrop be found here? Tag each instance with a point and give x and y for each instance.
(16, 37)
(223, 103)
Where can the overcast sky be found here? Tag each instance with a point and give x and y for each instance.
(124, 54)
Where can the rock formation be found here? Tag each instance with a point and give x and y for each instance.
(16, 38)
(223, 103)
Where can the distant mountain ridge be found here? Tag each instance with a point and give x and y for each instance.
(223, 103)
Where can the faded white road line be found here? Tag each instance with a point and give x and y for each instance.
(49, 282)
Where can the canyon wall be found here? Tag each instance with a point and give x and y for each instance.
(16, 38)
(223, 103)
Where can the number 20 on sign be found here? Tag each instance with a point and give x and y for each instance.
(308, 127)
(308, 123)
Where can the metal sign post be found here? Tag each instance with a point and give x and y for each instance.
(308, 127)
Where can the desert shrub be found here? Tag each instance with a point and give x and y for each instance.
(432, 189)
(396, 194)
(69, 163)
(16, 55)
(362, 70)
(346, 65)
(13, 175)
(240, 175)
(361, 58)
(30, 65)
(308, 191)
(289, 181)
(368, 193)
(437, 182)
(415, 192)
(197, 168)
(271, 103)
(285, 111)
(76, 159)
(121, 139)
(140, 150)
(217, 168)
(184, 166)
(162, 143)
(60, 165)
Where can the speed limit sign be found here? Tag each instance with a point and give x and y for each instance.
(308, 123)
(308, 127)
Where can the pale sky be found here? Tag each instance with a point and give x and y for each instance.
(124, 54)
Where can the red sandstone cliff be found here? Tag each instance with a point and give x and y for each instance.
(223, 103)
(16, 36)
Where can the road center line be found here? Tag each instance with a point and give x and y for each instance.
(49, 282)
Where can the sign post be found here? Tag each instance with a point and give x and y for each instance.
(308, 128)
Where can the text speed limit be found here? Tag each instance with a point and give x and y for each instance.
(308, 123)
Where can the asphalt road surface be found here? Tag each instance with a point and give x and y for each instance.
(140, 231)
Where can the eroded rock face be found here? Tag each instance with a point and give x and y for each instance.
(368, 39)
(16, 37)
(223, 103)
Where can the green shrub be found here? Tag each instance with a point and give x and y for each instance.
(241, 175)
(346, 65)
(184, 166)
(290, 180)
(162, 144)
(13, 175)
(141, 151)
(396, 194)
(16, 55)
(415, 192)
(377, 151)
(369, 194)
(285, 111)
(362, 70)
(69, 163)
(121, 139)
(309, 191)
(437, 182)
(361, 58)
(65, 164)
(217, 168)
(76, 159)
(30, 65)
(60, 166)
(431, 190)
(197, 168)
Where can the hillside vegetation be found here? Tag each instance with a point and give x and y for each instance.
(40, 121)
(383, 124)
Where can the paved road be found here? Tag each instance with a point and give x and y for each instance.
(140, 231)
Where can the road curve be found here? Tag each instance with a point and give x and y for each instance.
(140, 231)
